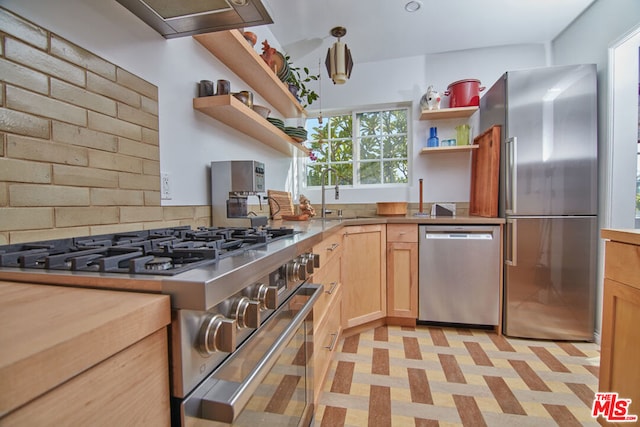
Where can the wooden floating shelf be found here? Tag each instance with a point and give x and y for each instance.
(453, 149)
(235, 52)
(234, 113)
(448, 113)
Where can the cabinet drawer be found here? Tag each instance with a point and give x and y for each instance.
(330, 278)
(326, 339)
(622, 263)
(328, 248)
(402, 233)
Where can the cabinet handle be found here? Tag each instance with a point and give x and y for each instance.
(332, 288)
(333, 247)
(331, 346)
(402, 233)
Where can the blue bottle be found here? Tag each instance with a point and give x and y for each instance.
(433, 137)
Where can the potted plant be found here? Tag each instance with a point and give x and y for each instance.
(298, 84)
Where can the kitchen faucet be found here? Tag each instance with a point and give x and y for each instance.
(323, 212)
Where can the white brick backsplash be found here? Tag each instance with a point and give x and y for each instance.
(22, 29)
(21, 147)
(19, 75)
(82, 98)
(33, 103)
(75, 135)
(26, 55)
(79, 56)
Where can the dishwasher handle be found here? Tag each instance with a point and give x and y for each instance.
(455, 232)
(455, 235)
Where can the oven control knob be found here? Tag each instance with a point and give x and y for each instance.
(247, 313)
(217, 333)
(267, 296)
(296, 271)
(307, 260)
(316, 260)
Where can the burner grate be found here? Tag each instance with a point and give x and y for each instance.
(165, 251)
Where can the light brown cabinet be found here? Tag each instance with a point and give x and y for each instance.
(402, 274)
(364, 274)
(620, 341)
(327, 322)
(75, 356)
(129, 388)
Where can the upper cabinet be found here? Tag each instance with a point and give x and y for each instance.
(235, 52)
(443, 114)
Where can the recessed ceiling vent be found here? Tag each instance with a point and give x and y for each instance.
(179, 18)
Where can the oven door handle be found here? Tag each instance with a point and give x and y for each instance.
(226, 399)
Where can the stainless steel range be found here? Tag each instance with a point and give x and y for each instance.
(241, 310)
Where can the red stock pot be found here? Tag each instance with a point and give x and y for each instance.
(464, 93)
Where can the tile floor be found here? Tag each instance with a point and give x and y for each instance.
(432, 376)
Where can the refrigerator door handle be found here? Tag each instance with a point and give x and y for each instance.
(511, 256)
(511, 174)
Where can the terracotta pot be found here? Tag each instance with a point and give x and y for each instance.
(252, 38)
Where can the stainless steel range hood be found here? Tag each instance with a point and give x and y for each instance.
(179, 18)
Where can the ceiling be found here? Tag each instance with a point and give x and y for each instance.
(382, 29)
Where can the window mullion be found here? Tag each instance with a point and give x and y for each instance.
(355, 142)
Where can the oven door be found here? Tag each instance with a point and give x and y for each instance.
(269, 379)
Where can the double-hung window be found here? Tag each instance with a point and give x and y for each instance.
(365, 147)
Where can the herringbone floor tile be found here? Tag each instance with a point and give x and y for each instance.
(432, 376)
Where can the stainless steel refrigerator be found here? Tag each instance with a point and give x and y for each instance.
(548, 196)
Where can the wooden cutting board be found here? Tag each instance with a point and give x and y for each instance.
(485, 174)
(280, 203)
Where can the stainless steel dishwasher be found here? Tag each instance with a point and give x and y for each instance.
(459, 274)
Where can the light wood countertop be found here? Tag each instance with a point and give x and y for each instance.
(49, 334)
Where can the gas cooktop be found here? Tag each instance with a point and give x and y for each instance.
(165, 251)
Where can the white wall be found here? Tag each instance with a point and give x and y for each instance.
(588, 40)
(189, 140)
(446, 176)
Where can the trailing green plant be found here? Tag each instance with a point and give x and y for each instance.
(295, 78)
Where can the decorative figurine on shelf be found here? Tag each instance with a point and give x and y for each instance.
(431, 99)
(268, 54)
(305, 207)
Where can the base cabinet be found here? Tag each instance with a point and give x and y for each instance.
(325, 340)
(364, 274)
(83, 357)
(402, 273)
(130, 388)
(327, 320)
(620, 342)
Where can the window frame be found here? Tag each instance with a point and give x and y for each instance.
(356, 155)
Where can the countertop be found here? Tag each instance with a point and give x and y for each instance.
(202, 288)
(50, 334)
(631, 236)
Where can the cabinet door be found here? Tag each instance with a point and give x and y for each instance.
(364, 274)
(129, 388)
(402, 280)
(619, 368)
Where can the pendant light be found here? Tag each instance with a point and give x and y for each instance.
(339, 62)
